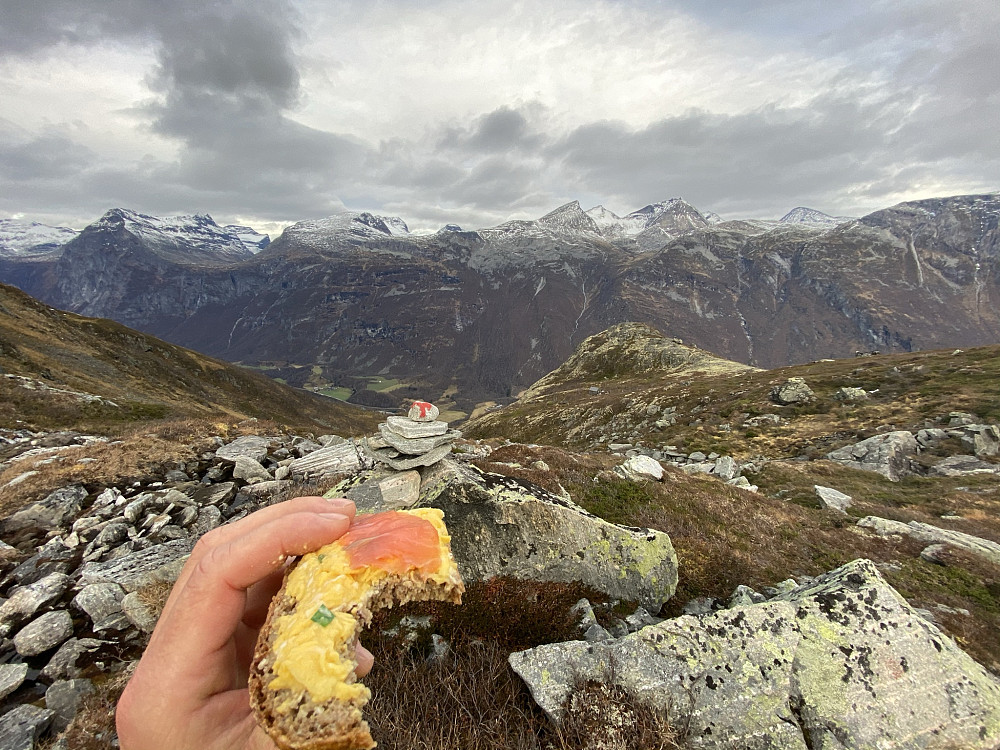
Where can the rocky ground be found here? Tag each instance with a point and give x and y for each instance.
(746, 660)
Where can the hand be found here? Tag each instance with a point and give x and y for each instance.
(189, 690)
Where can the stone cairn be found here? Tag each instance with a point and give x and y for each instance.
(418, 439)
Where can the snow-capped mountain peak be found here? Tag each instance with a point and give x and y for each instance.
(569, 218)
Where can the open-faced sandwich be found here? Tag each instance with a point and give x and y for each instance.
(303, 687)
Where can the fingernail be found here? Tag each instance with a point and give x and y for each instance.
(338, 500)
(334, 516)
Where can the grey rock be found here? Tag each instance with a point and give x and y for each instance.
(342, 458)
(407, 428)
(792, 391)
(254, 447)
(52, 512)
(62, 665)
(744, 596)
(930, 436)
(177, 476)
(703, 605)
(44, 633)
(139, 613)
(282, 472)
(701, 467)
(725, 468)
(743, 483)
(137, 568)
(267, 489)
(934, 553)
(114, 533)
(697, 457)
(25, 601)
(136, 509)
(103, 604)
(641, 619)
(847, 393)
(11, 678)
(928, 534)
(186, 516)
(501, 526)
(843, 662)
(250, 471)
(887, 454)
(392, 458)
(383, 491)
(959, 418)
(962, 465)
(63, 698)
(209, 518)
(305, 447)
(52, 557)
(214, 494)
(416, 446)
(832, 499)
(21, 727)
(640, 467)
(981, 439)
(422, 411)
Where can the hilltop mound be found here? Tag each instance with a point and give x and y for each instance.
(631, 350)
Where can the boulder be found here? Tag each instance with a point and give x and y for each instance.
(382, 490)
(136, 569)
(62, 665)
(21, 727)
(501, 526)
(53, 512)
(981, 439)
(63, 699)
(25, 601)
(832, 499)
(248, 446)
(640, 467)
(44, 633)
(248, 470)
(792, 391)
(962, 465)
(103, 604)
(847, 393)
(338, 458)
(841, 662)
(887, 454)
(725, 468)
(924, 532)
(11, 678)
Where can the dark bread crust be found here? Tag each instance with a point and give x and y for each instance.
(336, 724)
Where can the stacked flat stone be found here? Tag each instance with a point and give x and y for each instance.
(418, 439)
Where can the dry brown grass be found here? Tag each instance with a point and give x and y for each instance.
(93, 728)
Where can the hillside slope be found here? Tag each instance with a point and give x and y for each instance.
(67, 371)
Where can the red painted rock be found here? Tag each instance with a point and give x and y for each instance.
(422, 411)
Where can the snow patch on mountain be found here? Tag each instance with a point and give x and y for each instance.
(570, 219)
(362, 225)
(198, 233)
(812, 217)
(24, 239)
(252, 240)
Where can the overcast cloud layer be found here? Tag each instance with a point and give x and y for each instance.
(272, 111)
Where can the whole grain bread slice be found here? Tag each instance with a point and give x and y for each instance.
(292, 719)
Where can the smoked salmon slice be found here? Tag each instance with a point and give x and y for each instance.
(393, 541)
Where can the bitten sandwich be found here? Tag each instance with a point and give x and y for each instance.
(303, 688)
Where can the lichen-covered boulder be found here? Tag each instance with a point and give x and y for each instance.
(504, 527)
(842, 662)
(887, 454)
(792, 391)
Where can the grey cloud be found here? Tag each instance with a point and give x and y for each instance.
(44, 157)
(502, 130)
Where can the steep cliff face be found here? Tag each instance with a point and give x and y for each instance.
(490, 311)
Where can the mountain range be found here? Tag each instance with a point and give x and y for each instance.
(479, 315)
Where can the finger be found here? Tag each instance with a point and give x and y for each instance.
(225, 534)
(365, 660)
(259, 598)
(210, 606)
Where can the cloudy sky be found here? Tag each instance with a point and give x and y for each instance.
(273, 111)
